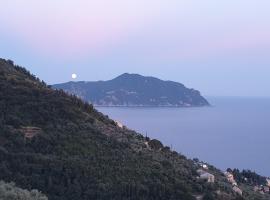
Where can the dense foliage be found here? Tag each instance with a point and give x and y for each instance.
(248, 177)
(63, 147)
(8, 191)
(135, 90)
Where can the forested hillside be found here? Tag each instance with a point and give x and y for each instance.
(62, 146)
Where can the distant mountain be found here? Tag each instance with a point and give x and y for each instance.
(135, 90)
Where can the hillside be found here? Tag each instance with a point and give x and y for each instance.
(62, 146)
(135, 90)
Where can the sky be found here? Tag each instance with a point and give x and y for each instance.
(221, 48)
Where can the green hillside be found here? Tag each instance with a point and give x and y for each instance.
(62, 146)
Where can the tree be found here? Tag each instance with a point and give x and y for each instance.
(155, 144)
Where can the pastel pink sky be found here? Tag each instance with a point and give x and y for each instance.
(68, 27)
(174, 39)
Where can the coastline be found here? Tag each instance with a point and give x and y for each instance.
(148, 106)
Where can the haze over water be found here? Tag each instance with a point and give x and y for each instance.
(234, 132)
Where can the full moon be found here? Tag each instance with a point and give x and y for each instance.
(74, 76)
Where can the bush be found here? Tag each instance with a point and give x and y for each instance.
(8, 191)
(208, 196)
(155, 144)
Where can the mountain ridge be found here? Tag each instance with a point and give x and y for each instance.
(135, 90)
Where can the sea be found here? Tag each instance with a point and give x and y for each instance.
(234, 132)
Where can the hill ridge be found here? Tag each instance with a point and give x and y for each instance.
(135, 90)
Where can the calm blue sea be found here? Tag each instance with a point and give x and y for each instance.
(233, 132)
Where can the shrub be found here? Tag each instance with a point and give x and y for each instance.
(8, 191)
(155, 144)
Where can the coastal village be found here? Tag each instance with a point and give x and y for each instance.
(204, 174)
(262, 189)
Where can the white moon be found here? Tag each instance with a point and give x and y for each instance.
(74, 76)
